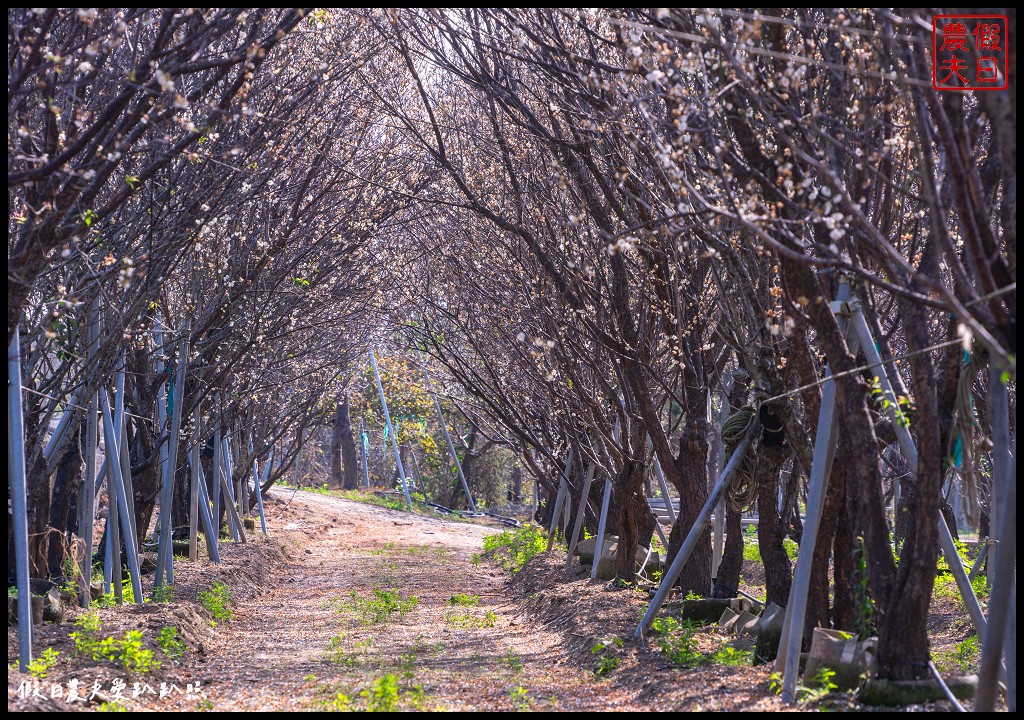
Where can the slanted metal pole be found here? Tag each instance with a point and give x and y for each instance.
(580, 512)
(821, 468)
(363, 441)
(19, 498)
(391, 430)
(121, 427)
(215, 480)
(563, 489)
(697, 530)
(664, 490)
(87, 495)
(193, 497)
(114, 473)
(67, 417)
(204, 513)
(259, 490)
(447, 436)
(165, 551)
(909, 450)
(234, 522)
(602, 525)
(1003, 569)
(796, 608)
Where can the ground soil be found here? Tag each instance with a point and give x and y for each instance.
(303, 637)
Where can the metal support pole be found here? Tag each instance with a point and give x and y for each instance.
(447, 436)
(193, 496)
(559, 499)
(114, 473)
(602, 525)
(215, 480)
(580, 512)
(698, 529)
(363, 442)
(1004, 489)
(909, 450)
(237, 531)
(19, 498)
(259, 490)
(821, 468)
(165, 552)
(234, 522)
(204, 513)
(87, 495)
(664, 490)
(391, 430)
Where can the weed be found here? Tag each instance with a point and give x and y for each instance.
(205, 705)
(383, 605)
(468, 620)
(163, 593)
(42, 664)
(514, 662)
(383, 695)
(85, 638)
(111, 707)
(608, 659)
(475, 559)
(819, 687)
(336, 652)
(135, 656)
(511, 550)
(728, 655)
(216, 600)
(964, 659)
(309, 678)
(864, 622)
(679, 644)
(520, 698)
(463, 599)
(408, 664)
(170, 643)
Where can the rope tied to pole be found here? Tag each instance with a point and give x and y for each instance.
(742, 490)
(966, 438)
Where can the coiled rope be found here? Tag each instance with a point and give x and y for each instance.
(742, 490)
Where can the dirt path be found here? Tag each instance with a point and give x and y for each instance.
(308, 639)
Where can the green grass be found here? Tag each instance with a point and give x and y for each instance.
(512, 549)
(963, 659)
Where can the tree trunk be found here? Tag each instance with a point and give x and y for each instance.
(727, 583)
(903, 647)
(344, 459)
(63, 503)
(691, 481)
(770, 531)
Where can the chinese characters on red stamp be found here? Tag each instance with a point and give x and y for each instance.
(969, 52)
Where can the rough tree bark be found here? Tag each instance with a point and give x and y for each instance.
(778, 574)
(344, 460)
